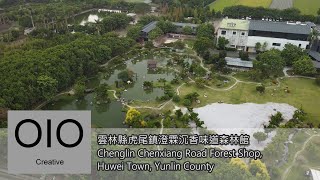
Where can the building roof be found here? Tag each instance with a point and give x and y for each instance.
(152, 62)
(149, 27)
(316, 64)
(317, 27)
(314, 55)
(185, 24)
(311, 24)
(237, 24)
(131, 14)
(315, 174)
(238, 62)
(282, 27)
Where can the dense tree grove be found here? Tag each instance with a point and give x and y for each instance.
(144, 20)
(291, 14)
(205, 30)
(205, 38)
(36, 71)
(195, 11)
(292, 53)
(189, 3)
(134, 32)
(166, 26)
(55, 15)
(304, 66)
(269, 63)
(222, 42)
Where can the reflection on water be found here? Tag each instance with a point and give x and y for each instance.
(103, 115)
(88, 17)
(142, 74)
(92, 18)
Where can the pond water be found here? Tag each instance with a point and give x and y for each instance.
(111, 114)
(136, 91)
(104, 115)
(90, 17)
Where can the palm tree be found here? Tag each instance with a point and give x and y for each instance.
(99, 26)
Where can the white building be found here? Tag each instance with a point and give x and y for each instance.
(245, 34)
(277, 34)
(315, 174)
(236, 31)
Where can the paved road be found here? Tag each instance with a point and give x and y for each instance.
(281, 4)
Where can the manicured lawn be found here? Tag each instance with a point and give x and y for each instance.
(307, 6)
(303, 93)
(219, 5)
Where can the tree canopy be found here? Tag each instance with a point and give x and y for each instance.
(290, 14)
(41, 67)
(304, 66)
(205, 30)
(291, 53)
(270, 63)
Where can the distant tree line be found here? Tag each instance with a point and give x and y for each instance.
(58, 13)
(291, 14)
(189, 3)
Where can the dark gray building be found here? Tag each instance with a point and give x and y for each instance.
(179, 28)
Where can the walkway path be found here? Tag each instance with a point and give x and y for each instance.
(161, 131)
(161, 106)
(114, 93)
(140, 107)
(178, 88)
(295, 76)
(106, 64)
(46, 102)
(286, 172)
(149, 107)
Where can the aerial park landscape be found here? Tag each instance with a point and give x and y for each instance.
(200, 65)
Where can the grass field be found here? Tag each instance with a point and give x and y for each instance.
(307, 6)
(303, 93)
(219, 5)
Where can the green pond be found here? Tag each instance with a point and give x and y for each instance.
(111, 115)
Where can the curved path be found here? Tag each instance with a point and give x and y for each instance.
(140, 107)
(178, 88)
(46, 102)
(237, 81)
(114, 93)
(161, 106)
(286, 172)
(296, 76)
